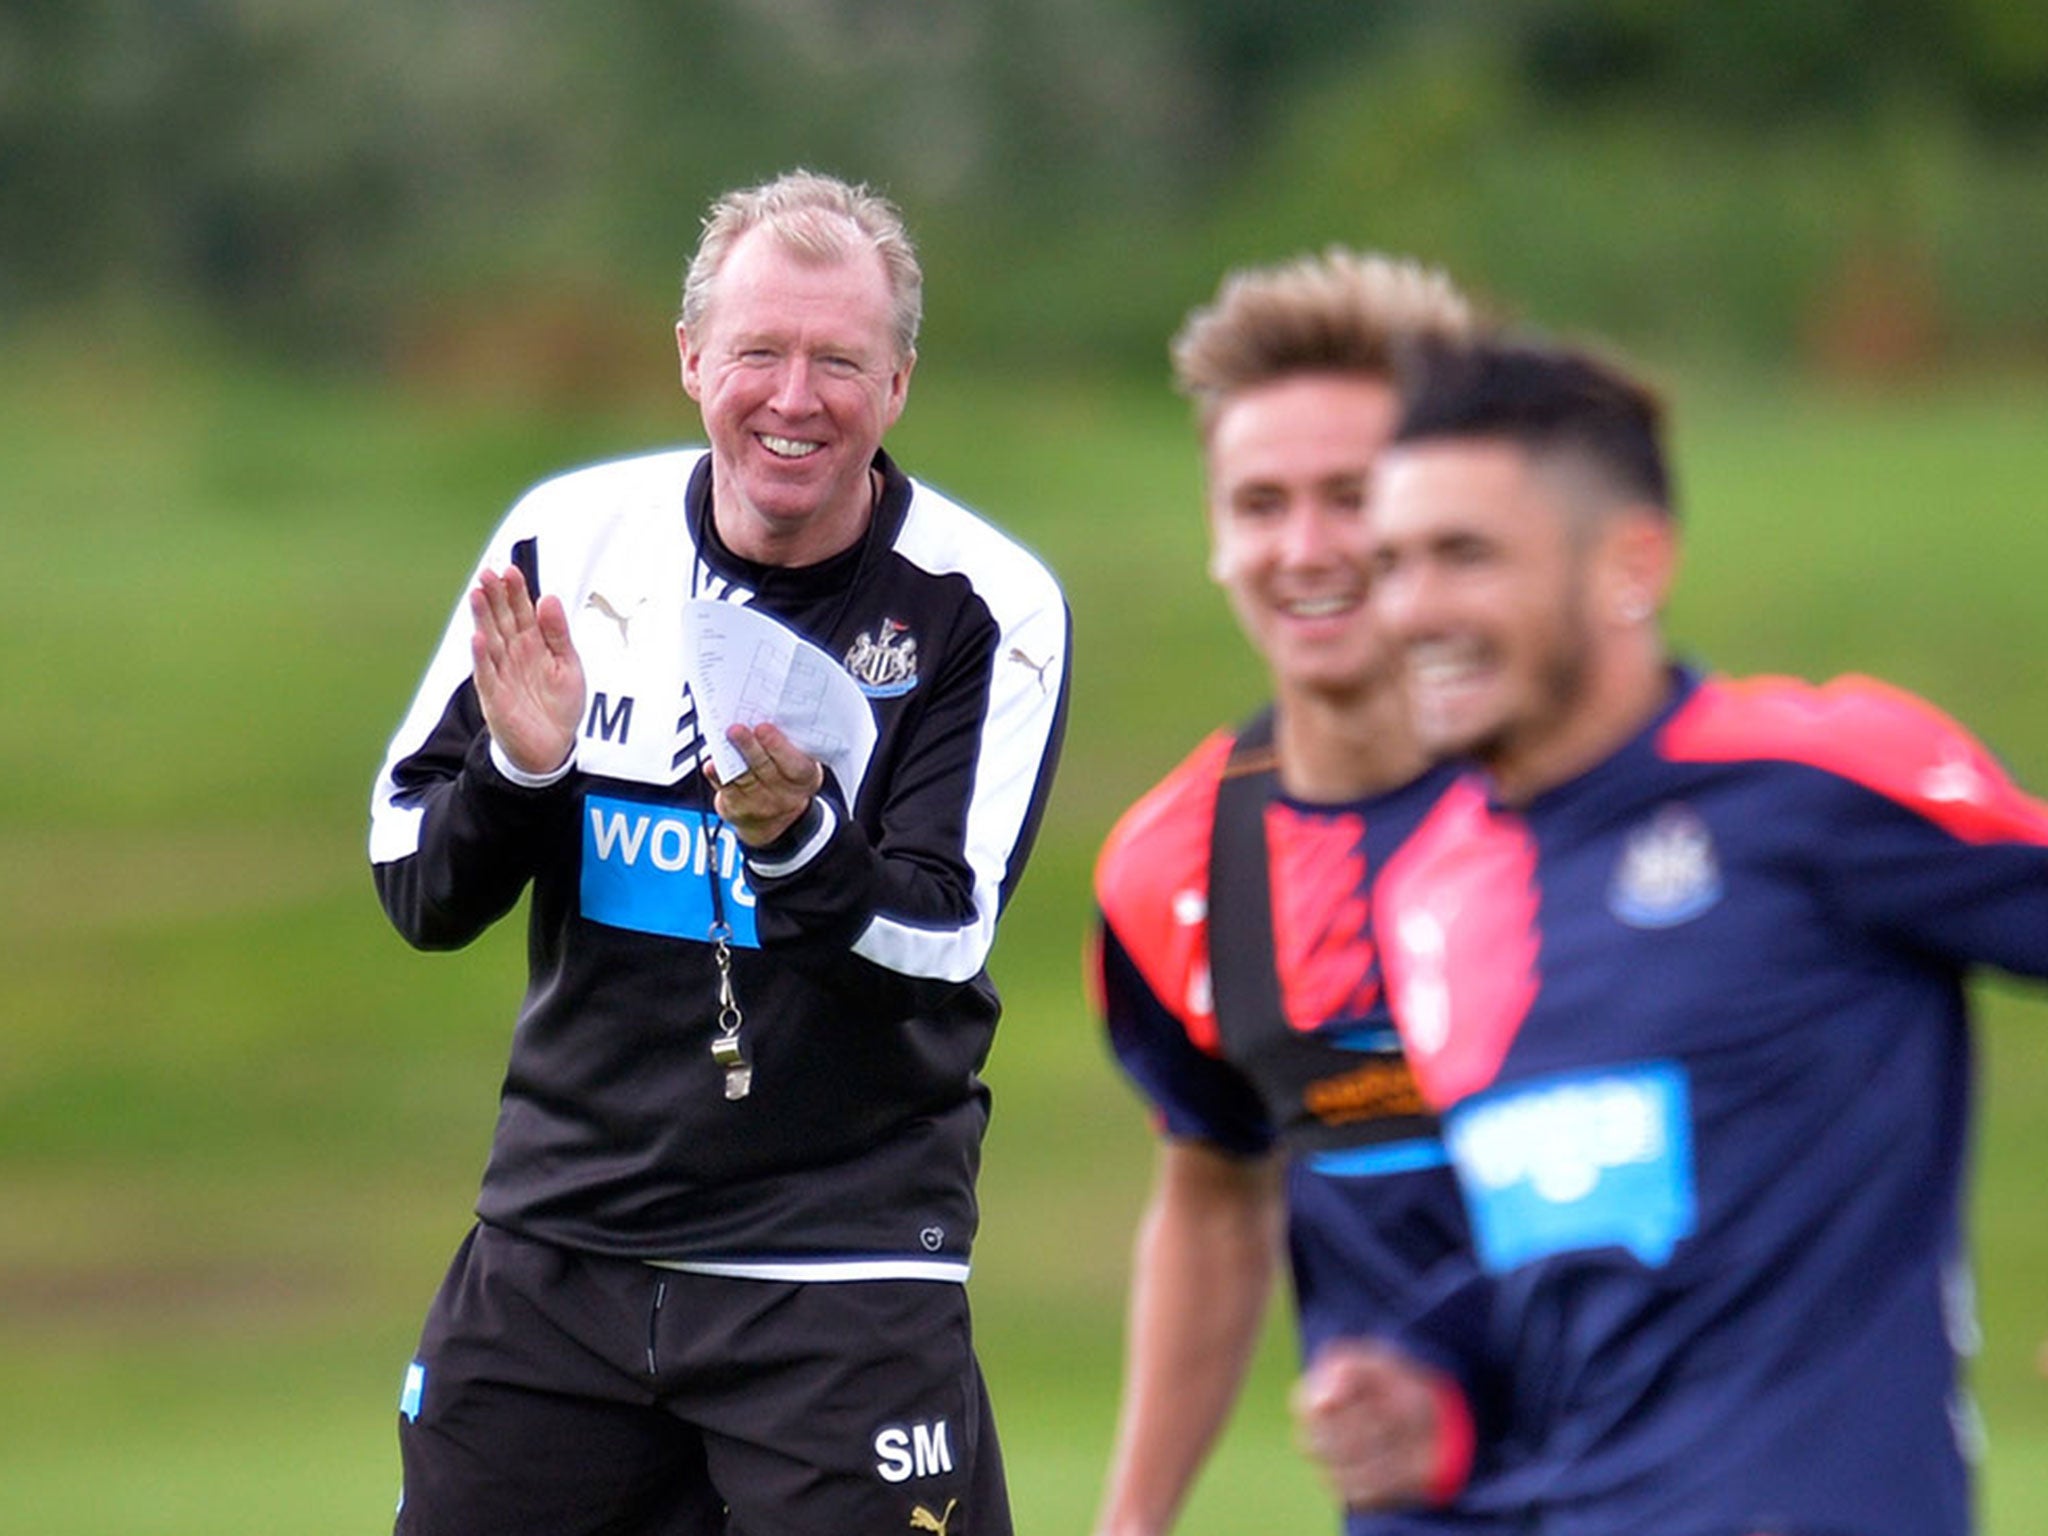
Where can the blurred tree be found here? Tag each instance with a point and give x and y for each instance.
(1004, 106)
(276, 160)
(1760, 62)
(2005, 44)
(320, 174)
(55, 149)
(1253, 51)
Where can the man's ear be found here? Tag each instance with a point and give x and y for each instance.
(690, 363)
(899, 390)
(1218, 565)
(1639, 561)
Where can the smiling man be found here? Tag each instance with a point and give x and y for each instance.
(799, 369)
(717, 1281)
(1234, 961)
(1682, 964)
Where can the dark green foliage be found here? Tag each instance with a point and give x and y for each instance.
(390, 178)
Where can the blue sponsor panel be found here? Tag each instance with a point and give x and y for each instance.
(1591, 1160)
(1376, 1041)
(1377, 1161)
(653, 868)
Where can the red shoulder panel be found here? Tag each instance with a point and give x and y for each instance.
(1457, 911)
(1322, 931)
(1865, 731)
(1152, 884)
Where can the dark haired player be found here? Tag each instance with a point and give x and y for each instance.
(1683, 966)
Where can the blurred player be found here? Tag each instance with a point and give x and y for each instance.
(1683, 966)
(1236, 971)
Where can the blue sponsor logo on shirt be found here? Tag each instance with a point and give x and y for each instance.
(1592, 1160)
(653, 868)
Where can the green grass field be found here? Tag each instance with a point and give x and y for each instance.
(240, 1124)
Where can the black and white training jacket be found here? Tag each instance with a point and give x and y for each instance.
(860, 938)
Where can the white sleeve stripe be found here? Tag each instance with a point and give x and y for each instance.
(394, 831)
(395, 828)
(827, 824)
(948, 954)
(1022, 707)
(1005, 783)
(521, 777)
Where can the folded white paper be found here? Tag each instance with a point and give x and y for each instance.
(745, 667)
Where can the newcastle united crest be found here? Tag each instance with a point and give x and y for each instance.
(884, 663)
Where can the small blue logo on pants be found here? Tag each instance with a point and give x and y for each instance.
(415, 1388)
(652, 868)
(1592, 1160)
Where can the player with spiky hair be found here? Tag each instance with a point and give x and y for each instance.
(1233, 955)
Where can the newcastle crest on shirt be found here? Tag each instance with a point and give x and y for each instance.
(1668, 873)
(884, 660)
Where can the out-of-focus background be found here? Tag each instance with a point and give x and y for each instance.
(295, 296)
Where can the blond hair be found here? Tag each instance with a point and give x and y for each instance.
(1341, 312)
(819, 218)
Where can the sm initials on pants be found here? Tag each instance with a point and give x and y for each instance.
(904, 1451)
